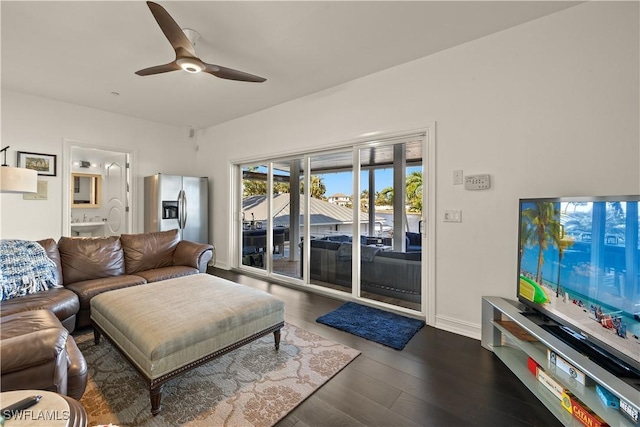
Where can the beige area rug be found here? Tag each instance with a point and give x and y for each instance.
(254, 385)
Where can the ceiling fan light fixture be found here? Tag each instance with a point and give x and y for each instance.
(190, 65)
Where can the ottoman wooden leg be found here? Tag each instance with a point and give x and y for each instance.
(156, 397)
(96, 335)
(276, 336)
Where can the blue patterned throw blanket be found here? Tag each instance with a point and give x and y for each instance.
(25, 269)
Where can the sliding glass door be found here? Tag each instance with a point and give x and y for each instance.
(287, 217)
(331, 220)
(254, 216)
(348, 220)
(390, 218)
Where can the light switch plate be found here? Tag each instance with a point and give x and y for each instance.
(453, 215)
(458, 178)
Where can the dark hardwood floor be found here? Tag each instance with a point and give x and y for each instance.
(438, 379)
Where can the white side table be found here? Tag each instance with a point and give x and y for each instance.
(53, 410)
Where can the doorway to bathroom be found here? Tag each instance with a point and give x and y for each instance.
(98, 192)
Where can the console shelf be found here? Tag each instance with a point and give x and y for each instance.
(514, 353)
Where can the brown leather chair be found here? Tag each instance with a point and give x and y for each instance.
(38, 353)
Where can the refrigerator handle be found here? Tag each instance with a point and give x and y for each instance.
(184, 209)
(181, 209)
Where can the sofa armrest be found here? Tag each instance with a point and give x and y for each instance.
(192, 254)
(77, 371)
(33, 352)
(33, 349)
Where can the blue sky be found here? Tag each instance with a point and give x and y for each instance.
(341, 182)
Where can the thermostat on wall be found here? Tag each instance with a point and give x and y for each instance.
(477, 182)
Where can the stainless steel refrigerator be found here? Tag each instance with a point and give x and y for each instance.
(181, 202)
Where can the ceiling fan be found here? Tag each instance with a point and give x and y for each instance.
(186, 58)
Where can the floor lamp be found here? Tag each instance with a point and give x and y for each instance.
(17, 180)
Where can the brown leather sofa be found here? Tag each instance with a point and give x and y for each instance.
(86, 267)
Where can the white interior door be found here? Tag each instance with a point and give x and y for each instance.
(115, 194)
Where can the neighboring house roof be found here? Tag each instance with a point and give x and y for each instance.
(322, 212)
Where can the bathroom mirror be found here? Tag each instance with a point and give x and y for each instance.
(85, 190)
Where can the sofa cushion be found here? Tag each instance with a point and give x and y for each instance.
(86, 258)
(415, 239)
(87, 289)
(60, 301)
(405, 256)
(149, 250)
(413, 242)
(325, 244)
(338, 238)
(25, 269)
(51, 248)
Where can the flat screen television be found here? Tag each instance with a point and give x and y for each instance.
(579, 265)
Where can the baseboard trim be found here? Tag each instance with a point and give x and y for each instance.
(457, 326)
(449, 324)
(221, 265)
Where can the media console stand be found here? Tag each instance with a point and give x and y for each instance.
(515, 351)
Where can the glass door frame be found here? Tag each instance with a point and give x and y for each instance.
(428, 218)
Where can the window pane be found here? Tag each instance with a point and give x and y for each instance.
(331, 220)
(288, 200)
(254, 216)
(391, 199)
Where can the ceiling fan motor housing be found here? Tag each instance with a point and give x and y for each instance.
(190, 65)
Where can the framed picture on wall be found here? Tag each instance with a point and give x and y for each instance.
(45, 164)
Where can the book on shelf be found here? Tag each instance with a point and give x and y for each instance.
(584, 414)
(629, 411)
(552, 385)
(566, 401)
(532, 365)
(575, 373)
(607, 398)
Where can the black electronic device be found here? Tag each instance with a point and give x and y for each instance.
(15, 408)
(595, 353)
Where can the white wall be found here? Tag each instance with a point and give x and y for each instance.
(39, 125)
(547, 108)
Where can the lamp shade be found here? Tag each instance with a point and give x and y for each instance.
(18, 180)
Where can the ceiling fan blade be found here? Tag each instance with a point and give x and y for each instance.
(230, 74)
(172, 66)
(171, 29)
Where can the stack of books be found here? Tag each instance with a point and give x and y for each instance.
(568, 400)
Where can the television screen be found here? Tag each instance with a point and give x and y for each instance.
(579, 264)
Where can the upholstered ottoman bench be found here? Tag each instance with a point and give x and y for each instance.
(167, 328)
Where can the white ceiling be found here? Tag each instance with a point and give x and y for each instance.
(82, 51)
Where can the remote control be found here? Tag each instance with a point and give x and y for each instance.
(11, 410)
